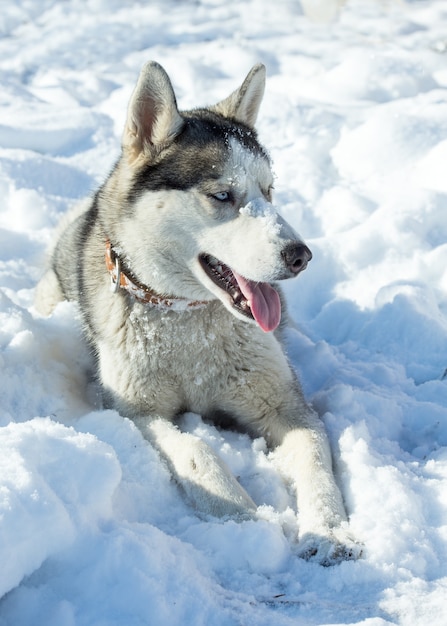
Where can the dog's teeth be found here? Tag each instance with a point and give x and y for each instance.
(224, 277)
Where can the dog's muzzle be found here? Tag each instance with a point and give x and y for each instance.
(254, 299)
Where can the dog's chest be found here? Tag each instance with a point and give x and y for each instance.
(171, 338)
(189, 358)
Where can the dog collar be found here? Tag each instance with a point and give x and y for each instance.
(122, 278)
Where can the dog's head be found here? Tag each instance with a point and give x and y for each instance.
(193, 200)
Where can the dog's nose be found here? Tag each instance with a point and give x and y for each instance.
(296, 257)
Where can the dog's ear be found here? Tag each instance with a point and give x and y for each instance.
(153, 119)
(243, 104)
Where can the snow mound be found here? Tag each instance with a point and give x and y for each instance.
(53, 482)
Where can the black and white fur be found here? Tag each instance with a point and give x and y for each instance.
(188, 209)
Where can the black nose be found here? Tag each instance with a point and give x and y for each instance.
(296, 257)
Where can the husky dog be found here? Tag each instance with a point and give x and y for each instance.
(185, 231)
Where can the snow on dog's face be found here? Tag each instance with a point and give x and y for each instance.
(197, 220)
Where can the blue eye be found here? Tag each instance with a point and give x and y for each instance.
(222, 196)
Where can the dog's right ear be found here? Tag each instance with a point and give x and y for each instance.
(153, 119)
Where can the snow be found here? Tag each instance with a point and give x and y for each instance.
(92, 529)
(265, 212)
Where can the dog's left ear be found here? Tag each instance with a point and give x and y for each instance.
(153, 119)
(243, 104)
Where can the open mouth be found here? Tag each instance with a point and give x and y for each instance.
(255, 300)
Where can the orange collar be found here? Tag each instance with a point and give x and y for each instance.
(121, 279)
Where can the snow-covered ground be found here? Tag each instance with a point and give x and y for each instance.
(92, 529)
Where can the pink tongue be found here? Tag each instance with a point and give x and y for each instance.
(264, 302)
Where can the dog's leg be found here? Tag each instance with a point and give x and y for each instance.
(303, 455)
(208, 483)
(270, 403)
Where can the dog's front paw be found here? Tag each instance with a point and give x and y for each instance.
(329, 547)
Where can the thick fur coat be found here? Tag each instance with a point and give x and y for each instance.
(193, 322)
